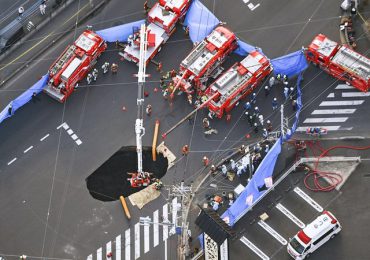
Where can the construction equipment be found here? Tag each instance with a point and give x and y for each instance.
(73, 65)
(162, 19)
(204, 61)
(340, 61)
(236, 83)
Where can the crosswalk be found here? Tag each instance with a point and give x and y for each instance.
(334, 112)
(140, 239)
(275, 231)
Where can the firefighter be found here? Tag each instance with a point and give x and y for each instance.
(294, 105)
(173, 73)
(204, 99)
(114, 68)
(291, 93)
(190, 99)
(269, 126)
(185, 150)
(278, 77)
(256, 128)
(232, 165)
(267, 148)
(254, 97)
(206, 124)
(286, 92)
(265, 133)
(105, 67)
(224, 170)
(260, 118)
(95, 74)
(165, 93)
(285, 80)
(146, 7)
(89, 78)
(272, 82)
(267, 91)
(256, 111)
(213, 169)
(250, 119)
(159, 66)
(274, 104)
(148, 110)
(205, 161)
(158, 184)
(247, 106)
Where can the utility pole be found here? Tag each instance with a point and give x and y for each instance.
(184, 193)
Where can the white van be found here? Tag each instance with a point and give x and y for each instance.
(314, 235)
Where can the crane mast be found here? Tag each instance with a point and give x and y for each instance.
(139, 128)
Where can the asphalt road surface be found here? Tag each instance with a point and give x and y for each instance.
(46, 209)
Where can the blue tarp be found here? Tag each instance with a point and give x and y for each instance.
(291, 64)
(24, 98)
(244, 48)
(119, 33)
(200, 21)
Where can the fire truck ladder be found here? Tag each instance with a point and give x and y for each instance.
(139, 128)
(195, 54)
(65, 57)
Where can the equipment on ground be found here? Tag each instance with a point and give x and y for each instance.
(237, 82)
(340, 61)
(316, 131)
(162, 19)
(73, 65)
(204, 61)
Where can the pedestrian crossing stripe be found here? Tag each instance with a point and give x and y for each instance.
(308, 199)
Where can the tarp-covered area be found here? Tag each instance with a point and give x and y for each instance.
(119, 33)
(200, 21)
(24, 98)
(244, 48)
(291, 64)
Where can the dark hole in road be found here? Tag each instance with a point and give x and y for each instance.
(109, 181)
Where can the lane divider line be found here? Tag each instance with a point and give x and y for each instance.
(14, 159)
(308, 199)
(43, 138)
(29, 148)
(254, 248)
(273, 232)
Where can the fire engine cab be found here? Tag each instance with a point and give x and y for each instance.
(340, 61)
(205, 59)
(236, 83)
(73, 65)
(162, 19)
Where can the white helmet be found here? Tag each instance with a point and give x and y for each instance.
(275, 99)
(268, 122)
(130, 36)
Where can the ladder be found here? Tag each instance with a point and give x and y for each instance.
(65, 57)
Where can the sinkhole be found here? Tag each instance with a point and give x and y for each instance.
(109, 181)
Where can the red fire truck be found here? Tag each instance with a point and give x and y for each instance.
(205, 59)
(236, 83)
(340, 61)
(73, 65)
(162, 19)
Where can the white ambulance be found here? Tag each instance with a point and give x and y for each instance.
(314, 235)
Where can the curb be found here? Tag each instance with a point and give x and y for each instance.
(83, 19)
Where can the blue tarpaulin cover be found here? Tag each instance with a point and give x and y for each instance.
(200, 21)
(24, 98)
(291, 64)
(119, 33)
(244, 48)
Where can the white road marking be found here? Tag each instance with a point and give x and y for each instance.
(343, 86)
(99, 254)
(329, 128)
(341, 103)
(290, 215)
(46, 136)
(137, 240)
(127, 245)
(90, 257)
(331, 95)
(272, 232)
(29, 148)
(355, 94)
(254, 248)
(308, 199)
(253, 7)
(65, 126)
(60, 125)
(108, 248)
(165, 219)
(156, 228)
(326, 120)
(78, 142)
(333, 111)
(146, 238)
(118, 248)
(174, 216)
(14, 159)
(70, 131)
(74, 137)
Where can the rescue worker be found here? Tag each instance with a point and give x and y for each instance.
(148, 110)
(291, 93)
(294, 105)
(20, 11)
(173, 73)
(165, 93)
(254, 97)
(256, 111)
(247, 106)
(224, 170)
(114, 68)
(264, 133)
(158, 184)
(232, 165)
(146, 7)
(159, 66)
(205, 161)
(105, 67)
(285, 80)
(274, 104)
(130, 40)
(185, 150)
(190, 99)
(272, 82)
(213, 170)
(250, 118)
(267, 148)
(286, 92)
(260, 119)
(257, 148)
(95, 74)
(204, 99)
(240, 170)
(89, 78)
(206, 123)
(269, 126)
(278, 77)
(267, 91)
(10, 109)
(255, 128)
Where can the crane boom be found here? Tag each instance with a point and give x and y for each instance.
(139, 128)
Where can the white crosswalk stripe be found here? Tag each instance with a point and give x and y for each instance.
(329, 128)
(343, 86)
(341, 103)
(355, 94)
(137, 240)
(333, 111)
(290, 215)
(331, 95)
(308, 199)
(272, 232)
(254, 248)
(326, 120)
